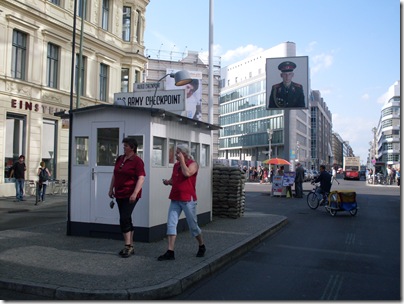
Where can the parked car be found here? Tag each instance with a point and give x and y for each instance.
(315, 173)
(306, 175)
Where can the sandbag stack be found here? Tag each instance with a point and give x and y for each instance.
(228, 187)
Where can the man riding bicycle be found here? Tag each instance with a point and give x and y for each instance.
(325, 183)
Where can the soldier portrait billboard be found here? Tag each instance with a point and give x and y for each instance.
(193, 94)
(287, 84)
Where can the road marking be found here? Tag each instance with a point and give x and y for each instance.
(336, 252)
(332, 288)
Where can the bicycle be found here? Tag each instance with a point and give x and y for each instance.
(314, 198)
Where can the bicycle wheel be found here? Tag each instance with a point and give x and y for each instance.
(353, 211)
(312, 200)
(333, 212)
(333, 204)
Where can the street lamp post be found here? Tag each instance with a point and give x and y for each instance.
(270, 132)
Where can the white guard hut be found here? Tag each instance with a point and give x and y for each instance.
(97, 134)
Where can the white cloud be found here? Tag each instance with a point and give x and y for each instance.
(311, 46)
(321, 61)
(239, 53)
(204, 55)
(357, 130)
(365, 96)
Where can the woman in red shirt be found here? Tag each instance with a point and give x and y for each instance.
(183, 198)
(126, 186)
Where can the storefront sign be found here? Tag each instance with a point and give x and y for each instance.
(36, 107)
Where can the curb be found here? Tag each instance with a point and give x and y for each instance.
(165, 290)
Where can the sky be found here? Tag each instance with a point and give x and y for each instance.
(353, 47)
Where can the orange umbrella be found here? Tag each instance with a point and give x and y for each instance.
(276, 161)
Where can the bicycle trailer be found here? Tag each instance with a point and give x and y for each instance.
(342, 200)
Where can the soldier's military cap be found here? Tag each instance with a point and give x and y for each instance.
(287, 66)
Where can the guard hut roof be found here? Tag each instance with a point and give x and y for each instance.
(154, 112)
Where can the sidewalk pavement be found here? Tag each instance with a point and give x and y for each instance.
(44, 261)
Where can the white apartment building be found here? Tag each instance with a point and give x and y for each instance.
(36, 46)
(388, 129)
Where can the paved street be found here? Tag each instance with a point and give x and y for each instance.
(316, 256)
(359, 253)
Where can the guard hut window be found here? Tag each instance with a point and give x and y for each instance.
(195, 151)
(81, 144)
(171, 150)
(205, 156)
(139, 140)
(107, 146)
(159, 151)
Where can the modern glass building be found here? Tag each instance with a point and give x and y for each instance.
(249, 131)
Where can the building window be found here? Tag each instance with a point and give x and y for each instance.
(103, 81)
(19, 55)
(124, 80)
(138, 26)
(49, 140)
(52, 72)
(56, 2)
(105, 14)
(15, 134)
(126, 21)
(137, 76)
(82, 75)
(82, 13)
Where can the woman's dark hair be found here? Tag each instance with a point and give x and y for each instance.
(131, 142)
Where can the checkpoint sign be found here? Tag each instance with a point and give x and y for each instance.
(169, 100)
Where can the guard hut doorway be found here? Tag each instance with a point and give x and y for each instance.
(97, 136)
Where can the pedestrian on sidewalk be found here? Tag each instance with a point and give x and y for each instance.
(18, 172)
(299, 181)
(398, 176)
(126, 186)
(44, 175)
(183, 198)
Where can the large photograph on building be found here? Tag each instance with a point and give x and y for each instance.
(287, 83)
(193, 94)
